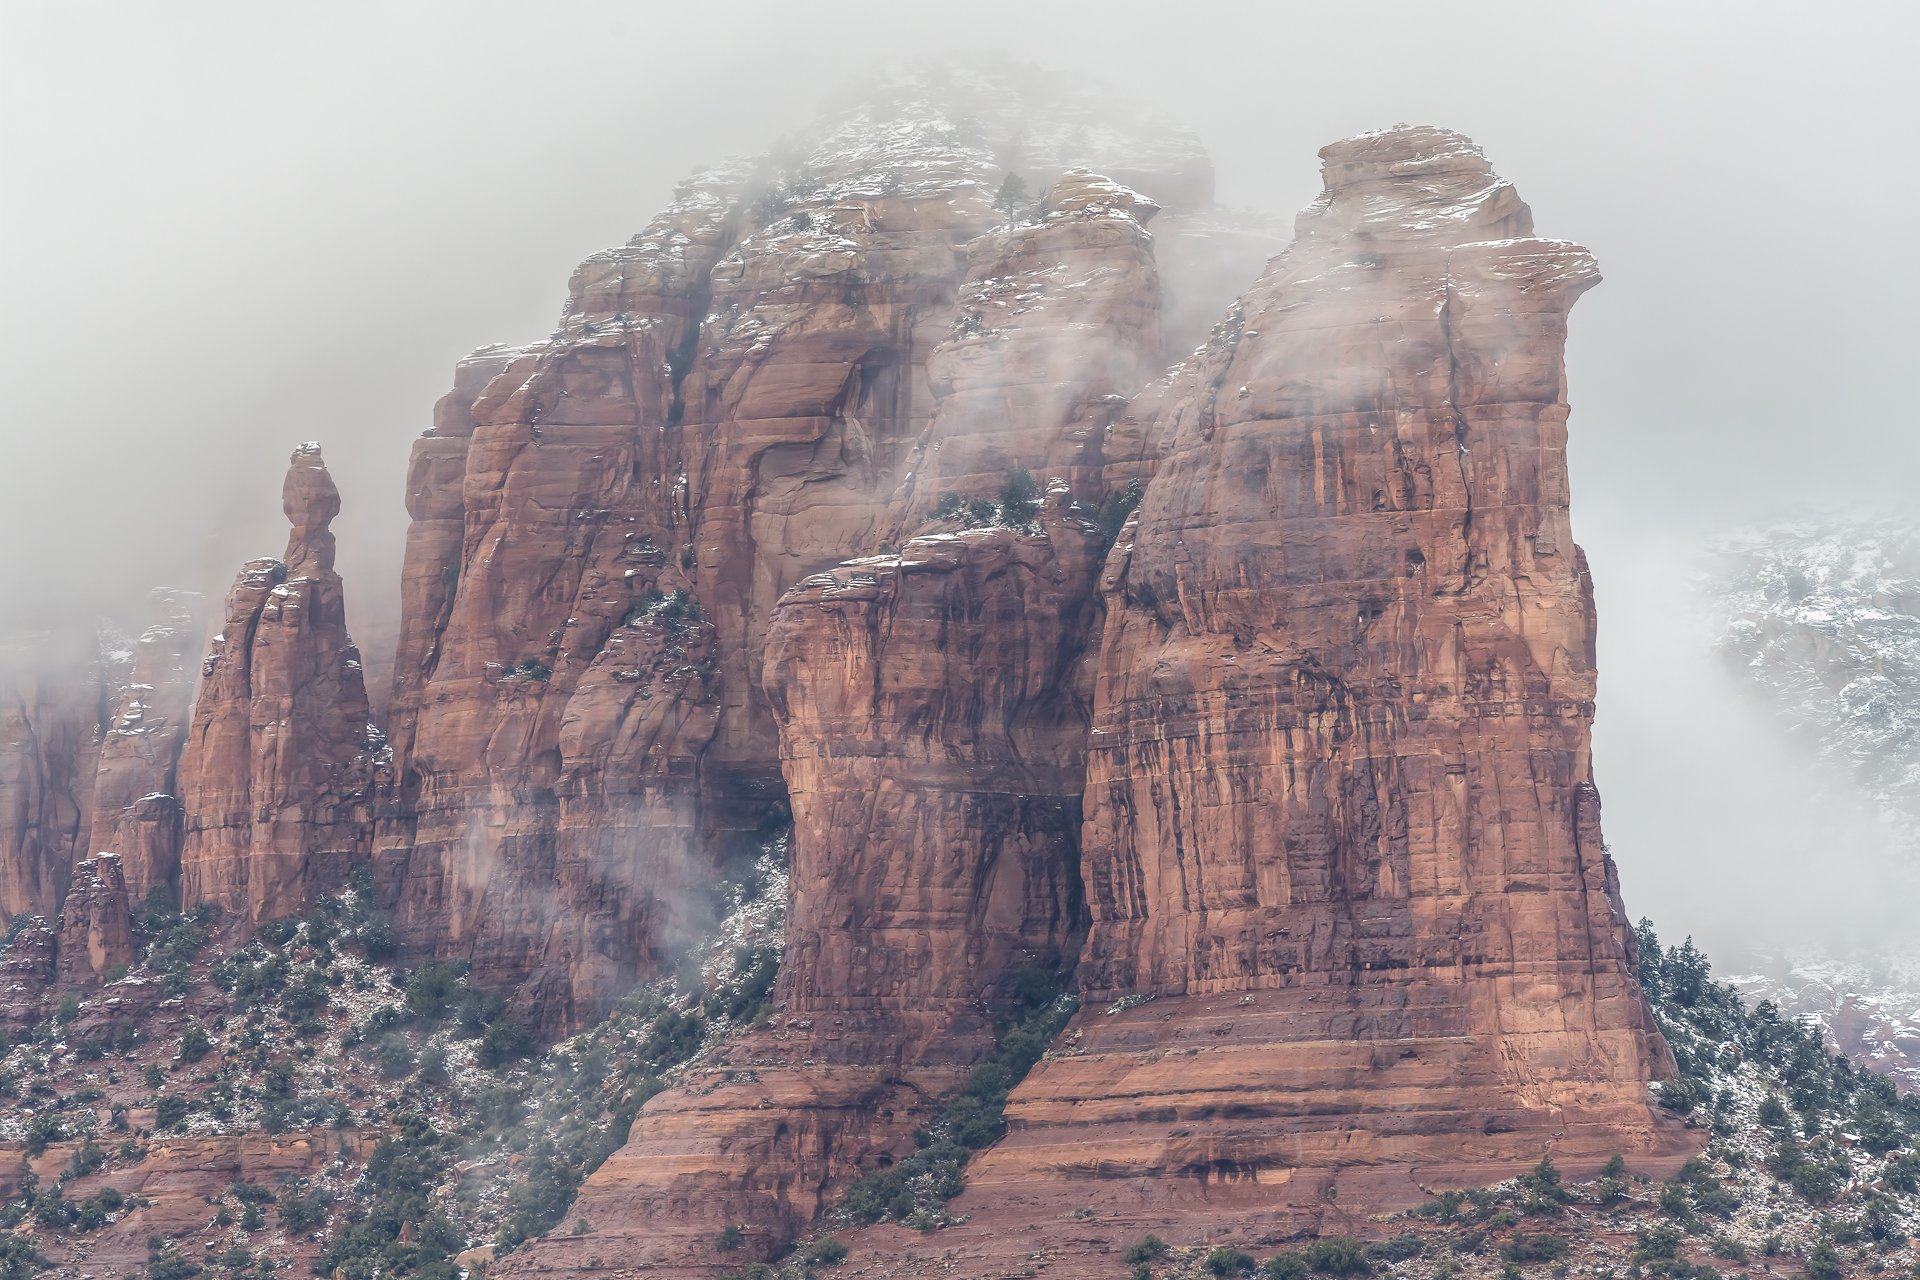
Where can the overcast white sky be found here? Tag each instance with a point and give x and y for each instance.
(229, 227)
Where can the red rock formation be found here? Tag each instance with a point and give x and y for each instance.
(932, 707)
(1341, 829)
(52, 703)
(275, 776)
(96, 935)
(135, 810)
(729, 405)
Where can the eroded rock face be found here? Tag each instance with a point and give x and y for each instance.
(1341, 827)
(51, 709)
(1056, 325)
(275, 776)
(551, 693)
(605, 523)
(136, 809)
(96, 934)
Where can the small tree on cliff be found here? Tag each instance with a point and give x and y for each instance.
(1013, 196)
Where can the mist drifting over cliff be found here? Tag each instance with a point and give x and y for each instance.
(231, 229)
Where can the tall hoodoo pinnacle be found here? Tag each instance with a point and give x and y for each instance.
(311, 502)
(275, 777)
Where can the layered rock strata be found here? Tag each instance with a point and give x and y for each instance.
(275, 777)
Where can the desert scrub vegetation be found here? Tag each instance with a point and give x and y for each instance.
(439, 1123)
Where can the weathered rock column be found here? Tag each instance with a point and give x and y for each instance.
(96, 934)
(275, 776)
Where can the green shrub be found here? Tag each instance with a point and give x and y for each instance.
(195, 1044)
(1536, 1248)
(169, 1110)
(433, 987)
(1290, 1264)
(302, 1211)
(1019, 498)
(1680, 1096)
(828, 1252)
(1148, 1248)
(433, 1066)
(45, 1129)
(1814, 1183)
(1903, 1173)
(166, 1264)
(86, 1159)
(1729, 1248)
(505, 1041)
(1225, 1260)
(1338, 1256)
(1398, 1249)
(729, 1239)
(1673, 1200)
(19, 1258)
(395, 1056)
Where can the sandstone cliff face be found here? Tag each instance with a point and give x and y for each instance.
(551, 689)
(275, 775)
(135, 806)
(1056, 325)
(90, 731)
(26, 971)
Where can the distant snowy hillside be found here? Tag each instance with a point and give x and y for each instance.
(1822, 622)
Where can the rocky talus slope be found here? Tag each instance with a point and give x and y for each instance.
(937, 755)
